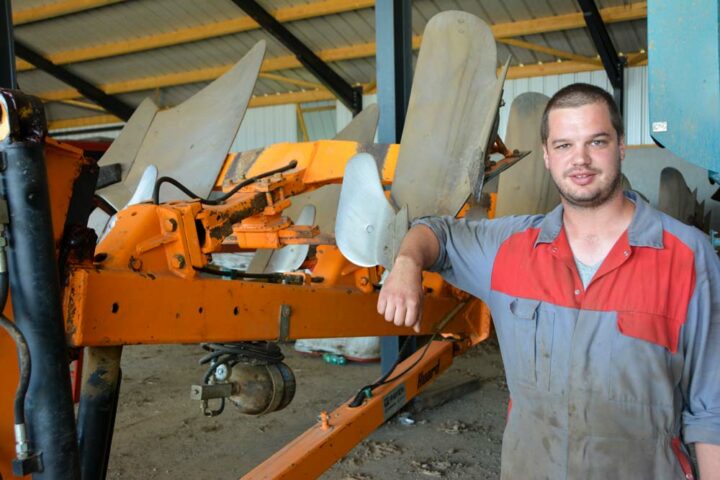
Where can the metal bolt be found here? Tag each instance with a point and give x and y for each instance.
(135, 264)
(221, 372)
(178, 261)
(324, 420)
(364, 281)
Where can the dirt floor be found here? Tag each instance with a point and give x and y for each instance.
(162, 434)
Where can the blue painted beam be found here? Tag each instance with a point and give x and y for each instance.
(394, 77)
(684, 78)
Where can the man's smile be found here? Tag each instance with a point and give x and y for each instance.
(582, 178)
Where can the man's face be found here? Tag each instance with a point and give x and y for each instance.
(583, 154)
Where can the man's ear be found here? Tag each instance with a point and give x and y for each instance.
(621, 148)
(545, 157)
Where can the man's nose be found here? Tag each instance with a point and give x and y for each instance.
(581, 156)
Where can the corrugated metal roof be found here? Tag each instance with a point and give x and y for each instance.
(137, 19)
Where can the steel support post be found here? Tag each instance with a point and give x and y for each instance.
(350, 96)
(110, 103)
(393, 37)
(7, 52)
(614, 65)
(34, 284)
(98, 406)
(394, 77)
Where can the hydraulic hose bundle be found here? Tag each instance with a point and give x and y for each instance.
(22, 446)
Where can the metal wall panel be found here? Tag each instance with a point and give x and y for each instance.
(636, 97)
(320, 124)
(343, 115)
(265, 126)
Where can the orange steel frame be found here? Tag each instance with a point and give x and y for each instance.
(143, 286)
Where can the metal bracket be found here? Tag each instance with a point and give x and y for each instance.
(284, 333)
(210, 391)
(207, 392)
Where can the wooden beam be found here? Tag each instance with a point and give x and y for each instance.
(83, 122)
(549, 51)
(639, 58)
(207, 74)
(301, 123)
(203, 32)
(291, 81)
(57, 9)
(568, 21)
(550, 68)
(86, 105)
(321, 108)
(633, 11)
(292, 97)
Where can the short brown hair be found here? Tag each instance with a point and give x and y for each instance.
(577, 95)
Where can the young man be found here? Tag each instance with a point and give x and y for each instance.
(607, 312)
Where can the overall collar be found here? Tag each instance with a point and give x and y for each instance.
(645, 228)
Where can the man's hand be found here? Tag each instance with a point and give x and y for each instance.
(400, 299)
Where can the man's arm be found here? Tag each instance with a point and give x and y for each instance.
(708, 458)
(400, 299)
(700, 381)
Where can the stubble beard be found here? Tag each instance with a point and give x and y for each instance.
(595, 200)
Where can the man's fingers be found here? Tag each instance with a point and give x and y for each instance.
(412, 313)
(399, 315)
(382, 303)
(390, 312)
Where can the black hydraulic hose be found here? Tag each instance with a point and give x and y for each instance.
(4, 285)
(23, 352)
(240, 274)
(220, 200)
(20, 344)
(366, 391)
(250, 180)
(176, 184)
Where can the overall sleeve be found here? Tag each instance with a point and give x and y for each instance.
(468, 248)
(701, 373)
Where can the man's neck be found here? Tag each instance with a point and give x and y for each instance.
(592, 232)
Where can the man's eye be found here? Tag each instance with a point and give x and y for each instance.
(562, 146)
(599, 143)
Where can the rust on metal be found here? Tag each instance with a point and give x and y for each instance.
(172, 316)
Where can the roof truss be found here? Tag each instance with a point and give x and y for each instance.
(311, 91)
(364, 50)
(633, 11)
(351, 97)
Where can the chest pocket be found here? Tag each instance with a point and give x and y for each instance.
(532, 341)
(643, 370)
